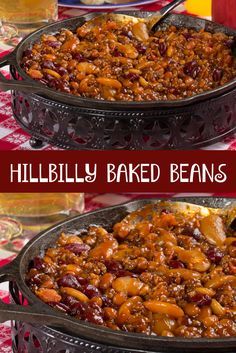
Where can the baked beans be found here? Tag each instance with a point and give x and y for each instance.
(113, 62)
(160, 273)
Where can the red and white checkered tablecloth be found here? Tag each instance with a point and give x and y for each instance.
(12, 137)
(92, 202)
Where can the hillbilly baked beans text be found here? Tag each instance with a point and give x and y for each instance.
(116, 173)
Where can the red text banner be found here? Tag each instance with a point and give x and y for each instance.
(118, 171)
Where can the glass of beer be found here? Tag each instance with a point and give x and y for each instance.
(20, 17)
(30, 213)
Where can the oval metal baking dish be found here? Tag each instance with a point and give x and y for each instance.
(80, 336)
(80, 123)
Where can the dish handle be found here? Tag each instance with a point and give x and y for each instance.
(31, 86)
(36, 313)
(23, 86)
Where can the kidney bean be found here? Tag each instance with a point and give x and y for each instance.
(49, 78)
(124, 273)
(176, 264)
(78, 309)
(77, 248)
(126, 33)
(166, 211)
(200, 299)
(113, 266)
(72, 77)
(106, 301)
(162, 48)
(62, 71)
(88, 313)
(63, 86)
(215, 255)
(230, 43)
(132, 77)
(69, 280)
(82, 280)
(217, 74)
(187, 231)
(192, 69)
(28, 53)
(187, 36)
(117, 53)
(93, 316)
(36, 279)
(78, 56)
(69, 301)
(47, 64)
(192, 232)
(90, 291)
(53, 44)
(141, 48)
(39, 264)
(53, 82)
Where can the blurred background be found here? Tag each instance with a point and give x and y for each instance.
(20, 17)
(22, 215)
